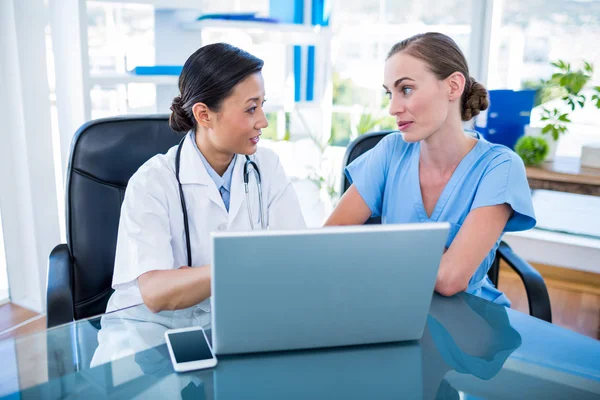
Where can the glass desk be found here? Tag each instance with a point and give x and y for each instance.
(470, 349)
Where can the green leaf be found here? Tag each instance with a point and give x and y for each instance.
(581, 103)
(578, 82)
(547, 128)
(557, 64)
(367, 123)
(555, 135)
(546, 113)
(564, 118)
(589, 67)
(564, 80)
(563, 65)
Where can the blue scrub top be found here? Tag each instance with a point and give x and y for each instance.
(387, 178)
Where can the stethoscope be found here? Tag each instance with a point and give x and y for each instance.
(249, 166)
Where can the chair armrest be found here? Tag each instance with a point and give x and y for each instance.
(537, 293)
(59, 288)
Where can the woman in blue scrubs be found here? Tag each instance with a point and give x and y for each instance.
(435, 171)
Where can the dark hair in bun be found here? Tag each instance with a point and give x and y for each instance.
(209, 76)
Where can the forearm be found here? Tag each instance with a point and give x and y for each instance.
(175, 289)
(450, 279)
(481, 230)
(351, 210)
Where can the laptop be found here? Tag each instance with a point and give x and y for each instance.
(332, 286)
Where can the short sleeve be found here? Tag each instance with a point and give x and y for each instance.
(144, 239)
(368, 173)
(505, 182)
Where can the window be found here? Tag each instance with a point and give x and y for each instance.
(120, 37)
(532, 35)
(536, 32)
(364, 32)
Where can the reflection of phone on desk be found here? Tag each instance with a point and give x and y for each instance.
(189, 349)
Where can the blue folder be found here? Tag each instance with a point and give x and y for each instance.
(238, 17)
(507, 116)
(157, 70)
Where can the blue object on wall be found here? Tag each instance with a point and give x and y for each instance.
(238, 17)
(321, 11)
(157, 70)
(297, 72)
(232, 16)
(507, 116)
(310, 74)
(291, 12)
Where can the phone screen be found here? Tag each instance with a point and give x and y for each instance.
(189, 346)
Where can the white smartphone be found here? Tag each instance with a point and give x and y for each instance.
(189, 349)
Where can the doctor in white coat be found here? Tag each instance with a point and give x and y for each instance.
(220, 111)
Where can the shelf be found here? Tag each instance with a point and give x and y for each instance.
(293, 33)
(162, 4)
(117, 78)
(124, 78)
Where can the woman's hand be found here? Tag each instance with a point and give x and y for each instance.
(175, 289)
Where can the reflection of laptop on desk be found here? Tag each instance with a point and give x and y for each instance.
(384, 371)
(323, 287)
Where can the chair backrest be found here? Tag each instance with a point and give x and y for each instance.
(105, 153)
(366, 142)
(359, 146)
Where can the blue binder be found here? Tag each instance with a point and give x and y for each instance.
(507, 116)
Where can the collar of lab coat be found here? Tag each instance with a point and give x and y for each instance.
(193, 172)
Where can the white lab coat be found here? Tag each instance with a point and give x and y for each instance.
(151, 231)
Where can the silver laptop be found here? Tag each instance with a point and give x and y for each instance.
(323, 287)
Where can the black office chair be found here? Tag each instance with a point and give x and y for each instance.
(104, 154)
(537, 293)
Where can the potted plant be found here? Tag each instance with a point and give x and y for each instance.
(568, 85)
(533, 150)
